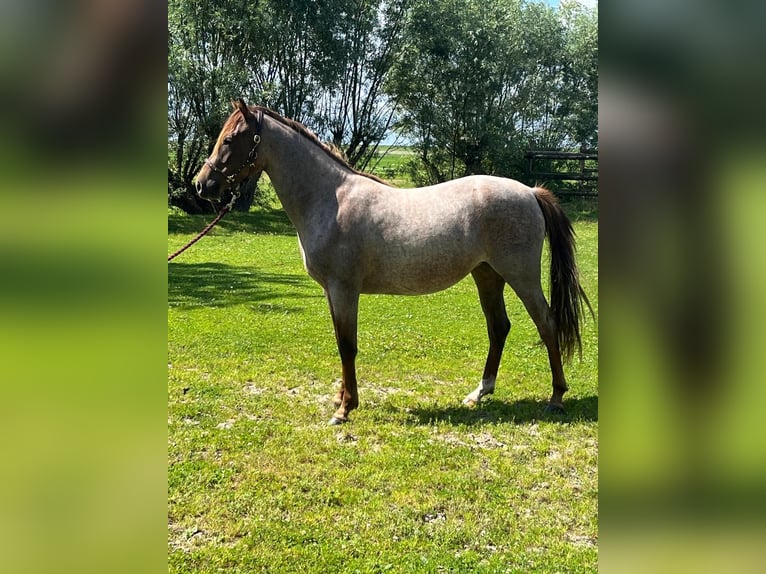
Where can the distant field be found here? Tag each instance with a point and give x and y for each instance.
(390, 164)
(416, 482)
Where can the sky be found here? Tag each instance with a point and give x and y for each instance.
(588, 3)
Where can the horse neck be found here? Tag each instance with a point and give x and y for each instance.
(303, 175)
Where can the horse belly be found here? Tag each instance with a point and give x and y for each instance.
(407, 273)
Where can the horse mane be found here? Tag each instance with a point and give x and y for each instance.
(331, 150)
(336, 150)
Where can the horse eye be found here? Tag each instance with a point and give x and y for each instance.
(226, 140)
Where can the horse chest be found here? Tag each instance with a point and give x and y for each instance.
(325, 259)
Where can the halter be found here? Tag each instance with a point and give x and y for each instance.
(251, 157)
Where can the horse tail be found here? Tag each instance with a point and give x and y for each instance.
(566, 293)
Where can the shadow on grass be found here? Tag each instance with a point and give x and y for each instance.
(272, 221)
(221, 285)
(493, 411)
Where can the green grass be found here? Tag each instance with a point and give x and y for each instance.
(416, 482)
(390, 163)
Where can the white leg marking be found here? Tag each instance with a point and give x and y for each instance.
(486, 387)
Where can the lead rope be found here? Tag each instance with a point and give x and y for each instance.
(224, 210)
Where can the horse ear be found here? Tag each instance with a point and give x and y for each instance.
(242, 107)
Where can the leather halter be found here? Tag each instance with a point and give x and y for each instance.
(251, 157)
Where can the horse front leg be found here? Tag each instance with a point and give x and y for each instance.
(344, 307)
(490, 285)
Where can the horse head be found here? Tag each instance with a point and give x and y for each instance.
(234, 155)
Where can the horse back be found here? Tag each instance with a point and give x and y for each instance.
(412, 241)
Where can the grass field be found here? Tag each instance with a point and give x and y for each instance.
(416, 482)
(390, 163)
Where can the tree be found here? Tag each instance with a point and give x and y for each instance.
(321, 63)
(474, 83)
(579, 98)
(355, 109)
(480, 81)
(205, 56)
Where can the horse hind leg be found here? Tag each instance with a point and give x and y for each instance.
(531, 294)
(490, 286)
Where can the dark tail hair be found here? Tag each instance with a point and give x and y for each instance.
(567, 296)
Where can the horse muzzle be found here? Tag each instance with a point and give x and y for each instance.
(208, 188)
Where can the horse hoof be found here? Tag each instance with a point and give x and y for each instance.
(334, 421)
(554, 409)
(470, 402)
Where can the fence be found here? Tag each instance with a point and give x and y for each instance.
(585, 176)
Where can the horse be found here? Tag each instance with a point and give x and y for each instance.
(358, 235)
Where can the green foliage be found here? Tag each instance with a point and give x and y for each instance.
(355, 111)
(416, 482)
(482, 81)
(472, 83)
(209, 43)
(579, 100)
(320, 63)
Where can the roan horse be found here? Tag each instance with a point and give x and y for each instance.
(359, 235)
